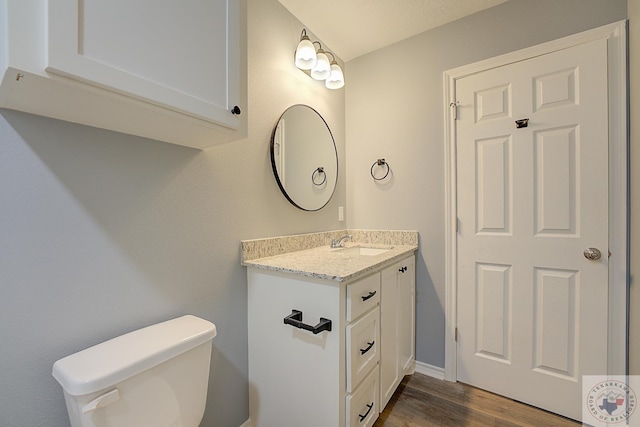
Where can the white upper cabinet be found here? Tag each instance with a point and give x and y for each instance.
(170, 70)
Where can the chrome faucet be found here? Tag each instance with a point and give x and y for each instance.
(340, 242)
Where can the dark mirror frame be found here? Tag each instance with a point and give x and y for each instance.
(316, 176)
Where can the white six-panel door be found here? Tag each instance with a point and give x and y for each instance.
(532, 309)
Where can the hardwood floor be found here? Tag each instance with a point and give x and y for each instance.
(422, 401)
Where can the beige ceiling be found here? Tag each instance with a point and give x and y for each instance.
(354, 27)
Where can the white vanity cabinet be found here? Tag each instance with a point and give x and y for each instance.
(330, 378)
(171, 71)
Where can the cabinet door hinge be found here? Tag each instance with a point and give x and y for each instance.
(456, 334)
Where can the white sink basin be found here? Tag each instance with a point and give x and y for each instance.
(362, 250)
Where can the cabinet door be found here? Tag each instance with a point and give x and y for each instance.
(406, 315)
(389, 374)
(397, 326)
(181, 55)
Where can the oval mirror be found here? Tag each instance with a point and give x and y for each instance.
(304, 158)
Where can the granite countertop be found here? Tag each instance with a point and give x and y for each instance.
(339, 265)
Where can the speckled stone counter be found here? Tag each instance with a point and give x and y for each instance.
(311, 255)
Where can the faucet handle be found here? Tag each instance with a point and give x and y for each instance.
(339, 243)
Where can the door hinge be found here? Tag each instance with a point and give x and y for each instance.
(455, 335)
(454, 107)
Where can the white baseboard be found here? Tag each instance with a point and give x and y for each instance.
(246, 423)
(430, 370)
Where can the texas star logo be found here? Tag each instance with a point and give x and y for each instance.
(611, 401)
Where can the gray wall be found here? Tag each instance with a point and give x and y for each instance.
(394, 107)
(102, 233)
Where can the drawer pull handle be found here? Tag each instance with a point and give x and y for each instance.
(370, 295)
(295, 319)
(403, 269)
(362, 417)
(363, 351)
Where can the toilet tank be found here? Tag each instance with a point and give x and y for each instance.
(152, 377)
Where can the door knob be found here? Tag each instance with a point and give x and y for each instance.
(592, 254)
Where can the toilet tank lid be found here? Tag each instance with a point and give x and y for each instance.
(113, 361)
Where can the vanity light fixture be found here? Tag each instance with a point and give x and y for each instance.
(306, 57)
(336, 77)
(316, 62)
(322, 69)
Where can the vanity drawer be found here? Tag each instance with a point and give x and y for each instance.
(362, 347)
(362, 405)
(362, 296)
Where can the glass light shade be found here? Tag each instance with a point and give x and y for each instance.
(336, 78)
(322, 69)
(306, 54)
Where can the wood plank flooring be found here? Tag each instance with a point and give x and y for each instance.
(423, 401)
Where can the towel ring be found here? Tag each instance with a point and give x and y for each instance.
(315, 176)
(380, 162)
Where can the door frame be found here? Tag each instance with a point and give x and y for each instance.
(616, 36)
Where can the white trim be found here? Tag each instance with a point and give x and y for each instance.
(430, 370)
(451, 219)
(619, 201)
(246, 423)
(616, 34)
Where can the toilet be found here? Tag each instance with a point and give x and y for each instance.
(152, 377)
